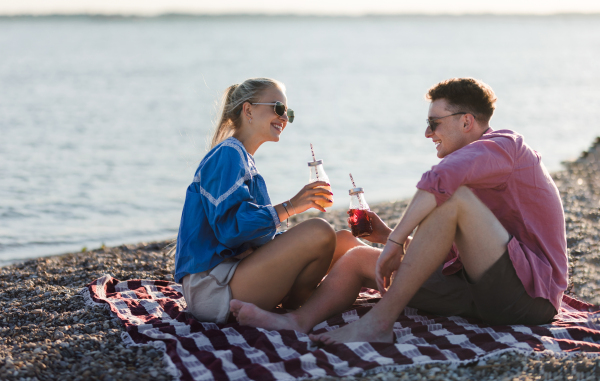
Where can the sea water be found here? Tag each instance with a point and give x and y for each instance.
(103, 121)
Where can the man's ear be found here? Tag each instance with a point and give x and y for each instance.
(469, 123)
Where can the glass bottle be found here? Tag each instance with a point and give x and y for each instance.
(359, 219)
(317, 173)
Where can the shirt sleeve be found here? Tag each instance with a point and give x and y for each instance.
(481, 164)
(232, 212)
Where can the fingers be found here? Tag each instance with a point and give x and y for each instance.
(380, 281)
(324, 198)
(381, 287)
(321, 339)
(318, 207)
(317, 190)
(317, 184)
(372, 214)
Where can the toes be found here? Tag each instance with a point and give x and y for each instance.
(234, 306)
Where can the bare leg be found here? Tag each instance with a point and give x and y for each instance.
(356, 269)
(291, 265)
(480, 238)
(344, 242)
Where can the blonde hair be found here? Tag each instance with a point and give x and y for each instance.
(233, 101)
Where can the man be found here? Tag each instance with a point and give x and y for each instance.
(490, 240)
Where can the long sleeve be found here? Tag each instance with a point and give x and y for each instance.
(234, 214)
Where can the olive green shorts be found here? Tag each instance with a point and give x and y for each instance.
(497, 298)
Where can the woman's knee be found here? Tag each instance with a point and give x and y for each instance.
(320, 232)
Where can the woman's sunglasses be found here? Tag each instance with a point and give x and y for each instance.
(280, 109)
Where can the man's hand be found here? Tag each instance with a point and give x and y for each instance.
(380, 230)
(387, 264)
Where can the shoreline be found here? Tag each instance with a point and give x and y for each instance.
(47, 332)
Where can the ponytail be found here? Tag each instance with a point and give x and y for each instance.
(224, 128)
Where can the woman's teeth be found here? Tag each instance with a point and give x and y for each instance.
(278, 127)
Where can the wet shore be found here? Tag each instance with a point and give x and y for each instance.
(48, 333)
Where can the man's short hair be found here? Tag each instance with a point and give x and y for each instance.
(466, 95)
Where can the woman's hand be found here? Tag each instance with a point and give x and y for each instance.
(305, 199)
(380, 229)
(387, 264)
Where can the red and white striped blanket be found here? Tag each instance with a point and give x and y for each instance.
(152, 312)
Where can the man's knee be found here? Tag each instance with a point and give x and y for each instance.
(463, 195)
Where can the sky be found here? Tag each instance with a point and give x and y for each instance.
(303, 7)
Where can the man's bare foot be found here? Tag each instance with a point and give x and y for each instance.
(358, 331)
(249, 314)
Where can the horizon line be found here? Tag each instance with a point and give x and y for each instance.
(264, 14)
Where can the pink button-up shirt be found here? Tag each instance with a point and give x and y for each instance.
(509, 177)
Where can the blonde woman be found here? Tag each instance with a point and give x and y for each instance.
(227, 245)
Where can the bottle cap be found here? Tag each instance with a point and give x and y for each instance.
(315, 163)
(355, 191)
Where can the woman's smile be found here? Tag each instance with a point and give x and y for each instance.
(277, 126)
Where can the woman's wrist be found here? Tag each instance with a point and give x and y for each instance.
(289, 208)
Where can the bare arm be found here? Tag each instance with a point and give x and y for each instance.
(420, 206)
(304, 200)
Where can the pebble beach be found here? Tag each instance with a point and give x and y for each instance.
(48, 333)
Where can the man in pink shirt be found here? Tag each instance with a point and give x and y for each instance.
(490, 240)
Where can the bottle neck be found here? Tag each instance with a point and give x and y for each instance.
(317, 173)
(357, 201)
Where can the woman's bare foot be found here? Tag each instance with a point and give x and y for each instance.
(358, 331)
(249, 314)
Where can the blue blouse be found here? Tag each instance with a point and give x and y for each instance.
(227, 210)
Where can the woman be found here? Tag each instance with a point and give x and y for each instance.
(227, 245)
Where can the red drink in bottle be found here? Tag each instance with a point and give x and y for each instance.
(360, 222)
(359, 219)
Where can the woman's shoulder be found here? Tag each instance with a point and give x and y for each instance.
(225, 156)
(230, 149)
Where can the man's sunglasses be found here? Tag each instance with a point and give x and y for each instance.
(431, 122)
(280, 109)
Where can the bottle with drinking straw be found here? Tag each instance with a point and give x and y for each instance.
(358, 213)
(317, 173)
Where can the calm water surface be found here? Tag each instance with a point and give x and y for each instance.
(103, 121)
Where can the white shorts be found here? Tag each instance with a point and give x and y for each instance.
(208, 294)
